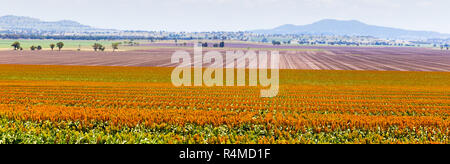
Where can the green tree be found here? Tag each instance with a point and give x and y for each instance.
(39, 47)
(97, 46)
(52, 46)
(32, 48)
(276, 42)
(60, 45)
(115, 46)
(16, 45)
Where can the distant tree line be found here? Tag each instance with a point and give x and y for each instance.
(26, 36)
(17, 46)
(100, 47)
(97, 46)
(32, 48)
(221, 44)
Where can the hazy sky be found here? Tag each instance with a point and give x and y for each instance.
(231, 15)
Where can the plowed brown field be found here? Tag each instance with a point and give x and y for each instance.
(328, 58)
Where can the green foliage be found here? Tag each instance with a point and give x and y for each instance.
(69, 132)
(60, 45)
(98, 46)
(274, 42)
(16, 45)
(115, 46)
(52, 46)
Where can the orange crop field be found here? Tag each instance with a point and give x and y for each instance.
(95, 104)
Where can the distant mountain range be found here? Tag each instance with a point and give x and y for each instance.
(21, 24)
(28, 25)
(352, 28)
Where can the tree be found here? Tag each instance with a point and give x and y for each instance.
(32, 48)
(39, 47)
(60, 45)
(97, 46)
(222, 44)
(115, 46)
(52, 46)
(16, 45)
(276, 42)
(264, 40)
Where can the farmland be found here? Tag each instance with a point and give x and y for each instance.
(99, 104)
(309, 58)
(328, 94)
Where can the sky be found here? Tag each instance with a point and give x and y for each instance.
(234, 15)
